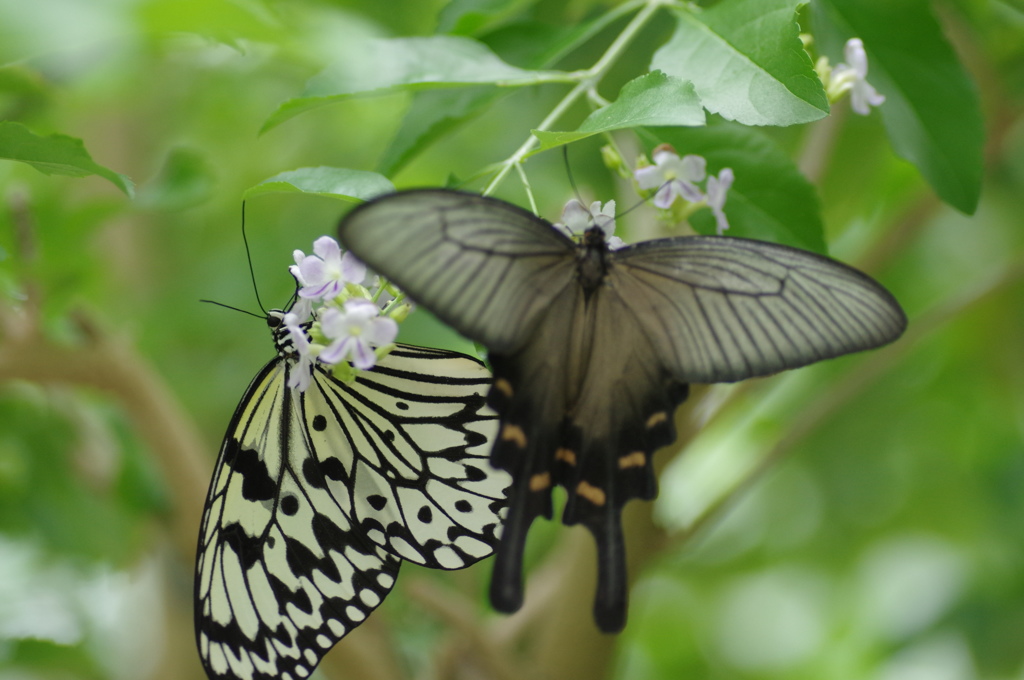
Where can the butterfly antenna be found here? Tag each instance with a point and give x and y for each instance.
(248, 257)
(631, 208)
(568, 172)
(243, 311)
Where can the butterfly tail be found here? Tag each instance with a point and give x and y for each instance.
(507, 578)
(612, 594)
(522, 449)
(609, 473)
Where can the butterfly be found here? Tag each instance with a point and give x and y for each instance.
(319, 495)
(593, 348)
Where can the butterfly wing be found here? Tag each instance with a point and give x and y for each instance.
(419, 483)
(317, 495)
(281, 572)
(719, 309)
(485, 267)
(587, 376)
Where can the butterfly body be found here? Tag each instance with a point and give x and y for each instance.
(319, 495)
(593, 348)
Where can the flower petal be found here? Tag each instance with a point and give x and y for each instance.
(352, 270)
(327, 248)
(363, 356)
(718, 187)
(575, 216)
(313, 270)
(690, 191)
(649, 177)
(664, 157)
(856, 56)
(383, 331)
(693, 168)
(666, 195)
(299, 375)
(337, 351)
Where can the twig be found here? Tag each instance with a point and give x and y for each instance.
(463, 619)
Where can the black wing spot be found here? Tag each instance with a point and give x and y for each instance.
(319, 423)
(332, 468)
(475, 474)
(257, 484)
(425, 515)
(401, 406)
(463, 505)
(389, 435)
(377, 502)
(313, 475)
(289, 505)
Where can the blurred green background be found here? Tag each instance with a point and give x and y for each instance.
(858, 519)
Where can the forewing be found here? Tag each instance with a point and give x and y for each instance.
(281, 573)
(404, 450)
(485, 267)
(720, 309)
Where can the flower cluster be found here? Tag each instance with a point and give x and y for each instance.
(348, 326)
(672, 177)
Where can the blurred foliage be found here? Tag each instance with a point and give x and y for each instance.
(858, 519)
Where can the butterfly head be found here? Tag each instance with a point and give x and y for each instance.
(287, 340)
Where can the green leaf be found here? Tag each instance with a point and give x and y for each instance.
(380, 66)
(55, 155)
(537, 44)
(229, 21)
(770, 200)
(430, 116)
(746, 61)
(653, 99)
(931, 111)
(434, 113)
(353, 186)
(471, 17)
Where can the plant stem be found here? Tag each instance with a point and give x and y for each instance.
(587, 80)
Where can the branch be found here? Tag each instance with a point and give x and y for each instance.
(110, 365)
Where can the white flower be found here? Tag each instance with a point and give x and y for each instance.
(718, 188)
(354, 333)
(324, 274)
(852, 77)
(302, 310)
(673, 176)
(301, 371)
(576, 220)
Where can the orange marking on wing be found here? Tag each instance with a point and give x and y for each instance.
(656, 419)
(514, 433)
(591, 493)
(504, 386)
(635, 459)
(568, 455)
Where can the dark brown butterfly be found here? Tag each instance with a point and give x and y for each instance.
(593, 348)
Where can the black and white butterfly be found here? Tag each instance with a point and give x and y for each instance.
(592, 348)
(318, 496)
